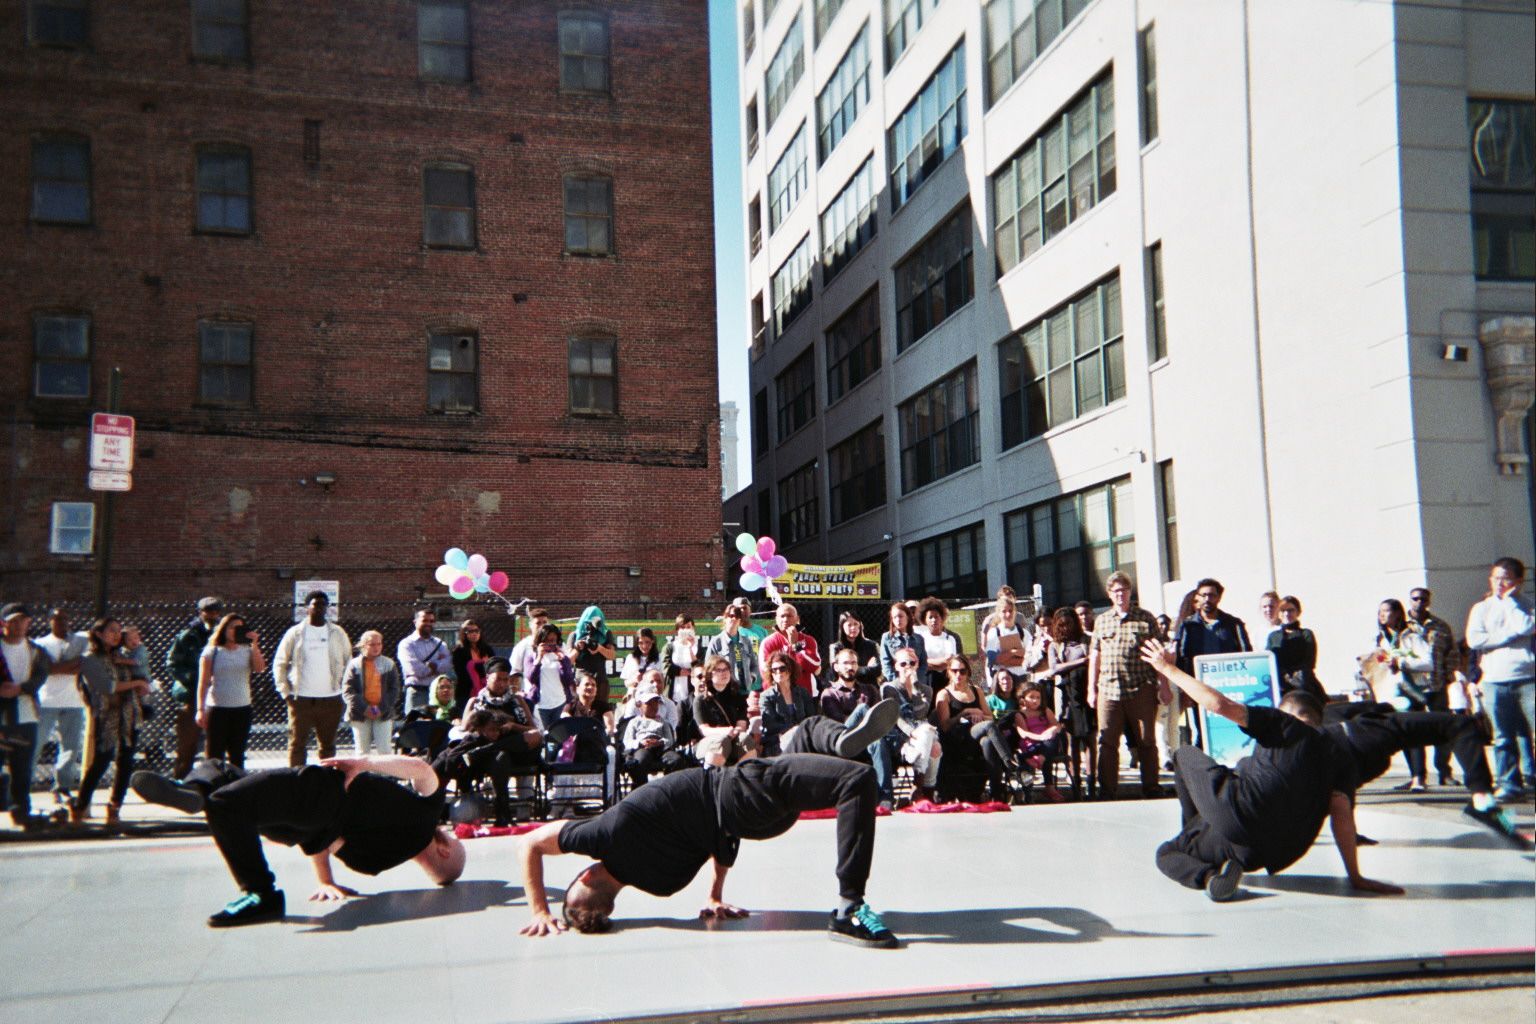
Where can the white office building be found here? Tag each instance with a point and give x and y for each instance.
(1046, 288)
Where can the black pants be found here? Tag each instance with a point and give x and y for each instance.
(470, 760)
(96, 763)
(643, 762)
(1374, 732)
(229, 729)
(17, 754)
(1206, 838)
(288, 805)
(762, 797)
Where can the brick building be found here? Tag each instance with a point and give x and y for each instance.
(381, 276)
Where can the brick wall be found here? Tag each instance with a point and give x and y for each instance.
(342, 294)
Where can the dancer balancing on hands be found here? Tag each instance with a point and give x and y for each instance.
(660, 836)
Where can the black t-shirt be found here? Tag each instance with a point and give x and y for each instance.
(720, 707)
(658, 837)
(1283, 789)
(384, 823)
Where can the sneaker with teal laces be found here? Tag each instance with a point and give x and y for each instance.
(249, 908)
(862, 927)
(1496, 820)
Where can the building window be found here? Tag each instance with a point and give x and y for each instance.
(1055, 177)
(442, 40)
(853, 346)
(1148, 69)
(73, 529)
(1069, 544)
(1155, 290)
(952, 565)
(1017, 30)
(826, 13)
(799, 510)
(760, 442)
(931, 128)
(764, 510)
(788, 180)
(588, 215)
(935, 280)
(903, 20)
(759, 326)
(584, 53)
(752, 127)
(224, 190)
(594, 376)
(846, 93)
(856, 472)
(1067, 363)
(939, 434)
(848, 223)
(61, 180)
(453, 370)
(1503, 189)
(784, 71)
(224, 363)
(449, 214)
(748, 29)
(791, 287)
(220, 30)
(64, 23)
(794, 394)
(1170, 520)
(755, 224)
(61, 352)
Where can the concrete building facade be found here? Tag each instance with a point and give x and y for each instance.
(381, 278)
(1186, 289)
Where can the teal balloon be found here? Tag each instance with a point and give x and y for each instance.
(456, 558)
(745, 543)
(753, 581)
(461, 595)
(482, 584)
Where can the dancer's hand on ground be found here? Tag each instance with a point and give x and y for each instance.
(542, 924)
(1159, 655)
(1363, 884)
(719, 910)
(330, 893)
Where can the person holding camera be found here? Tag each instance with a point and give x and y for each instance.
(223, 707)
(592, 647)
(549, 674)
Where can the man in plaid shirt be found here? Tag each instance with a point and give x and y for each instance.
(1123, 689)
(1442, 658)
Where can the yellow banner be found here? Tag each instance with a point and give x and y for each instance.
(829, 582)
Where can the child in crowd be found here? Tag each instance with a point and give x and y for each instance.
(1040, 735)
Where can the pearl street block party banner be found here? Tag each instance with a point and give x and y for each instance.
(829, 582)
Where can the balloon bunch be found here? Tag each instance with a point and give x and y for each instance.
(760, 564)
(465, 574)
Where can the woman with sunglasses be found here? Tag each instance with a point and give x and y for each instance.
(469, 657)
(783, 704)
(735, 645)
(967, 761)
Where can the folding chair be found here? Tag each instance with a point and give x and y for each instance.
(589, 733)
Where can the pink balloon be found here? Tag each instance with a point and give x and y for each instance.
(462, 585)
(752, 581)
(775, 567)
(499, 582)
(477, 565)
(765, 548)
(750, 563)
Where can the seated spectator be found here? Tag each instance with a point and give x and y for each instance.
(721, 715)
(587, 704)
(914, 740)
(1040, 737)
(501, 694)
(850, 633)
(847, 691)
(493, 746)
(650, 744)
(783, 705)
(967, 763)
(592, 747)
(671, 713)
(442, 707)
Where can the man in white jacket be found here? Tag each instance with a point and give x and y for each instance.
(310, 662)
(1500, 629)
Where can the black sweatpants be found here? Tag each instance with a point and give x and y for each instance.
(1209, 825)
(643, 762)
(1374, 732)
(289, 805)
(762, 797)
(229, 731)
(17, 754)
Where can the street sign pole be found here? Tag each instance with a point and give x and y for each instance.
(104, 558)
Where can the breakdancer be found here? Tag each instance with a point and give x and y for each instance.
(1267, 812)
(659, 837)
(351, 807)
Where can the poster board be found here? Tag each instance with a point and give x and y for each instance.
(1250, 678)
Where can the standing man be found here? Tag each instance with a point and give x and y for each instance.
(1269, 611)
(1499, 628)
(1442, 655)
(1122, 688)
(22, 671)
(422, 657)
(311, 660)
(181, 663)
(58, 704)
(1209, 631)
(788, 637)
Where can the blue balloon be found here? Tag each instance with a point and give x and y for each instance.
(482, 584)
(456, 558)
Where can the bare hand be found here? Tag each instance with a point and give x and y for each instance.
(253, 638)
(719, 910)
(1364, 884)
(350, 767)
(542, 924)
(1158, 655)
(330, 893)
(202, 718)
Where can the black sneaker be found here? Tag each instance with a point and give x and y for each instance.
(1496, 821)
(1221, 886)
(880, 720)
(249, 908)
(157, 789)
(863, 927)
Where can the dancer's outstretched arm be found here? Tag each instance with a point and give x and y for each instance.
(1160, 656)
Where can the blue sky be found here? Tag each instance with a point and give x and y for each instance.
(730, 224)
